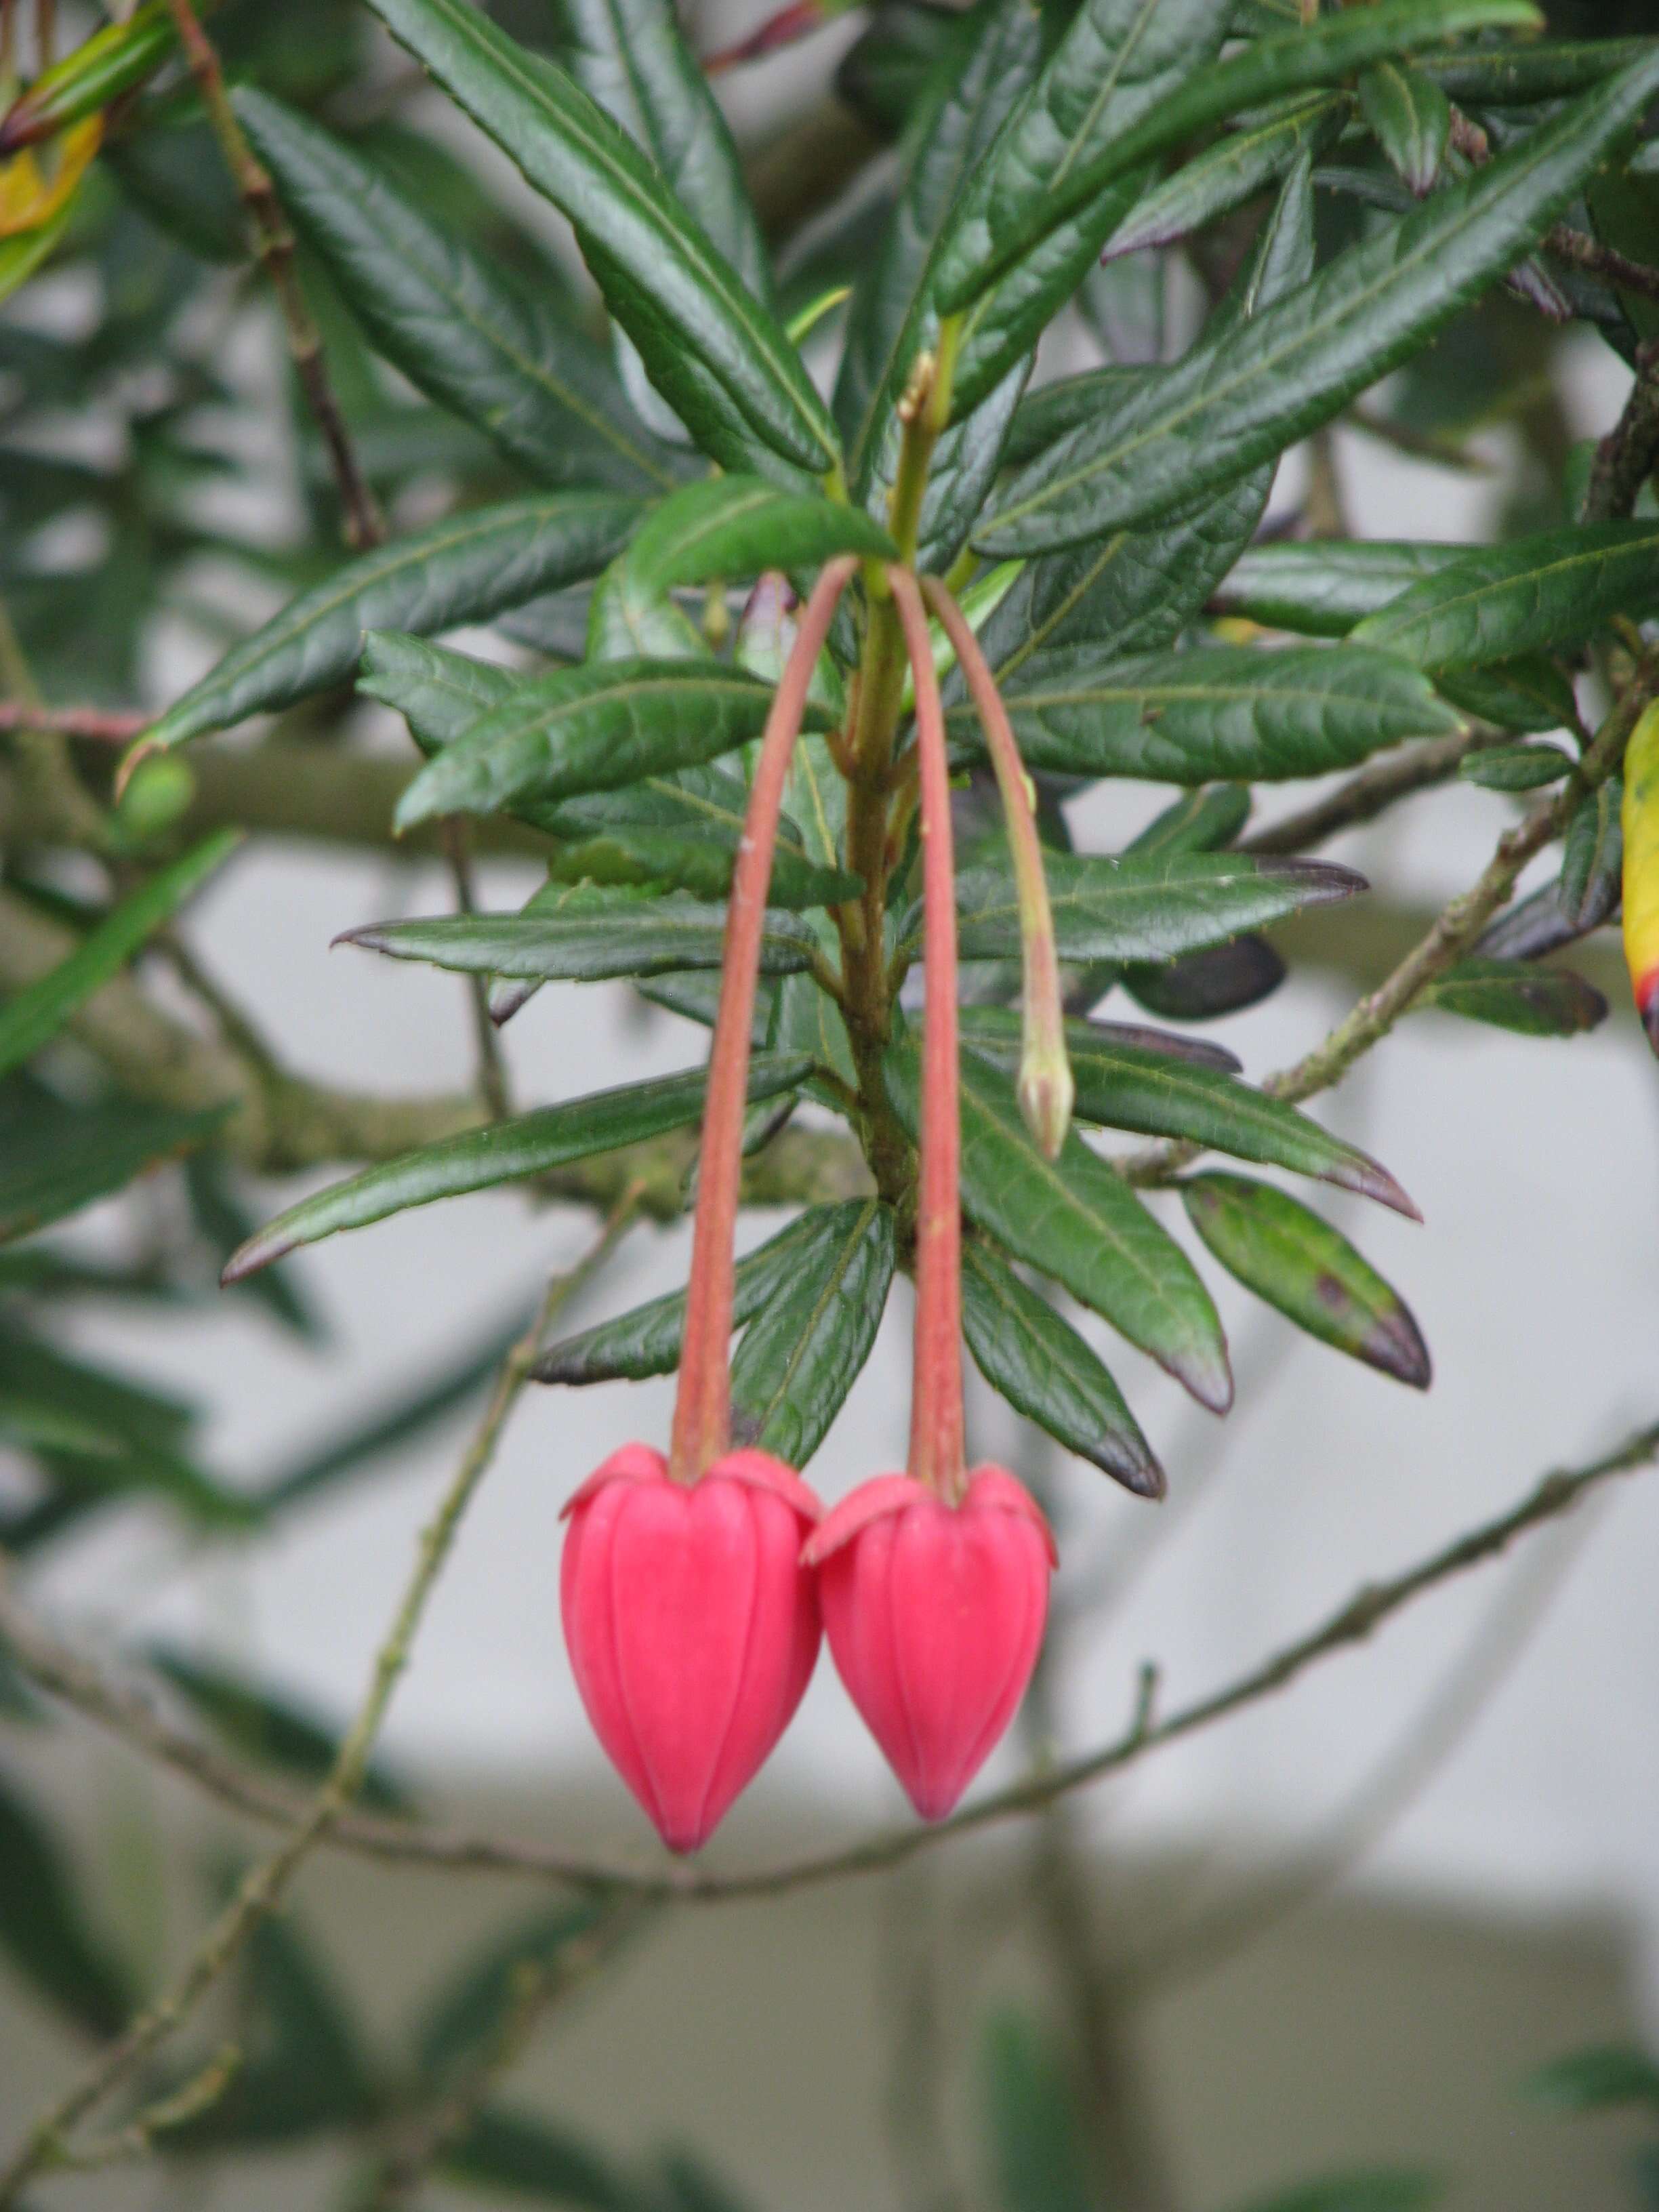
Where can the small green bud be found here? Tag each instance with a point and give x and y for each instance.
(158, 793)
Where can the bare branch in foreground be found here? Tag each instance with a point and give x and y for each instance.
(55, 1666)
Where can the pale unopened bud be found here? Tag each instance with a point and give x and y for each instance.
(1046, 1094)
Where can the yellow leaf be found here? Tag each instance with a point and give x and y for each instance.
(33, 191)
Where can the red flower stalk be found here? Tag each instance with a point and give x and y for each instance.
(691, 1622)
(935, 1583)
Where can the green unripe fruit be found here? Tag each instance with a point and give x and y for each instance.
(158, 794)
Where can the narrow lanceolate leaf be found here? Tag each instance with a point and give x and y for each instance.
(1522, 73)
(731, 527)
(1515, 768)
(993, 1032)
(1237, 400)
(1044, 1369)
(592, 728)
(582, 935)
(1323, 588)
(1410, 118)
(36, 1014)
(718, 357)
(464, 331)
(893, 318)
(1541, 594)
(1149, 907)
(1117, 64)
(631, 58)
(47, 1173)
(510, 2151)
(1076, 1219)
(1222, 714)
(1296, 1261)
(1025, 198)
(1528, 696)
(646, 1340)
(804, 1349)
(1131, 593)
(44, 1930)
(1518, 995)
(1592, 859)
(506, 1152)
(1123, 1086)
(1227, 175)
(463, 569)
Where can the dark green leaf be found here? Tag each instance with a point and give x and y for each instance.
(1116, 64)
(804, 1349)
(1122, 1086)
(1525, 72)
(43, 1929)
(592, 728)
(465, 2020)
(1146, 907)
(1220, 714)
(1528, 696)
(1533, 595)
(646, 1340)
(1226, 174)
(893, 317)
(1201, 987)
(1046, 1370)
(731, 527)
(582, 933)
(1238, 399)
(632, 60)
(267, 1725)
(36, 1014)
(1036, 2130)
(1077, 1220)
(717, 356)
(1410, 118)
(1606, 2076)
(1045, 176)
(511, 2150)
(1200, 820)
(48, 1171)
(1514, 994)
(439, 692)
(1514, 768)
(1324, 586)
(1300, 1264)
(629, 619)
(463, 569)
(1593, 859)
(1131, 593)
(506, 1151)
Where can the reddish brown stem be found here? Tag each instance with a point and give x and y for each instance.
(702, 1408)
(937, 1456)
(1046, 1088)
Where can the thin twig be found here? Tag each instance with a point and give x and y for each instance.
(265, 1886)
(273, 244)
(69, 1674)
(1628, 455)
(1453, 931)
(1369, 792)
(103, 726)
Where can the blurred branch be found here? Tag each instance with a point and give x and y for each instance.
(1628, 455)
(1371, 793)
(103, 725)
(273, 243)
(261, 1891)
(57, 1668)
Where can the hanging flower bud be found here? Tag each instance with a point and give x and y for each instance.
(1641, 826)
(935, 1584)
(692, 1628)
(691, 1622)
(935, 1615)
